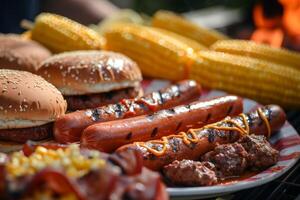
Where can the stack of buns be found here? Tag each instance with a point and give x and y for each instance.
(81, 79)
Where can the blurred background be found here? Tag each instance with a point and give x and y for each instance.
(276, 21)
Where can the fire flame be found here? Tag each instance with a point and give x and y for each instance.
(272, 31)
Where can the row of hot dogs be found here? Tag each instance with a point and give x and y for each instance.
(163, 130)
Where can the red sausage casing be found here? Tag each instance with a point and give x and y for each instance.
(69, 127)
(108, 136)
(206, 138)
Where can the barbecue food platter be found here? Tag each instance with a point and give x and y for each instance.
(286, 140)
(139, 111)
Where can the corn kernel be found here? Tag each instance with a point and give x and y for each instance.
(69, 159)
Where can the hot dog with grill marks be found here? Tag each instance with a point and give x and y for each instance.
(69, 127)
(108, 136)
(196, 142)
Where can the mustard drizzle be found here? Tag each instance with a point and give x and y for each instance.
(266, 121)
(242, 129)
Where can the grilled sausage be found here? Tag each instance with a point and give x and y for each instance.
(108, 136)
(68, 128)
(196, 142)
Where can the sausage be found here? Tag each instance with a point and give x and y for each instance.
(69, 127)
(196, 142)
(108, 136)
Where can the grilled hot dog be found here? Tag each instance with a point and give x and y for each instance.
(196, 142)
(108, 136)
(68, 128)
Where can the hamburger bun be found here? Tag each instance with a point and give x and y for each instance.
(21, 54)
(90, 72)
(27, 100)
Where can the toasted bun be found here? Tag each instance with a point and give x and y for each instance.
(21, 54)
(86, 72)
(28, 100)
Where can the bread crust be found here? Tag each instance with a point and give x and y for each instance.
(21, 54)
(28, 100)
(88, 72)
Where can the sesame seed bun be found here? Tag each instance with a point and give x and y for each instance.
(21, 54)
(27, 100)
(88, 72)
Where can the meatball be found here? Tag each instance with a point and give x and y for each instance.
(190, 173)
(260, 153)
(229, 159)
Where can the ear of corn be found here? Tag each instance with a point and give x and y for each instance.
(264, 81)
(175, 23)
(60, 34)
(161, 56)
(157, 53)
(190, 42)
(260, 51)
(26, 35)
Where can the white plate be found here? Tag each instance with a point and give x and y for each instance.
(286, 141)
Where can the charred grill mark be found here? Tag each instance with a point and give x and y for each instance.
(192, 145)
(96, 114)
(150, 117)
(211, 136)
(178, 126)
(143, 106)
(250, 120)
(171, 111)
(208, 117)
(229, 110)
(161, 99)
(118, 110)
(269, 115)
(129, 136)
(188, 106)
(154, 132)
(152, 157)
(175, 144)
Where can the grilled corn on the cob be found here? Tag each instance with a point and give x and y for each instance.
(192, 43)
(157, 53)
(175, 23)
(60, 34)
(264, 81)
(161, 56)
(260, 51)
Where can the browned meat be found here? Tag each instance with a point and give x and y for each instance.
(125, 178)
(79, 102)
(190, 173)
(260, 152)
(229, 159)
(21, 135)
